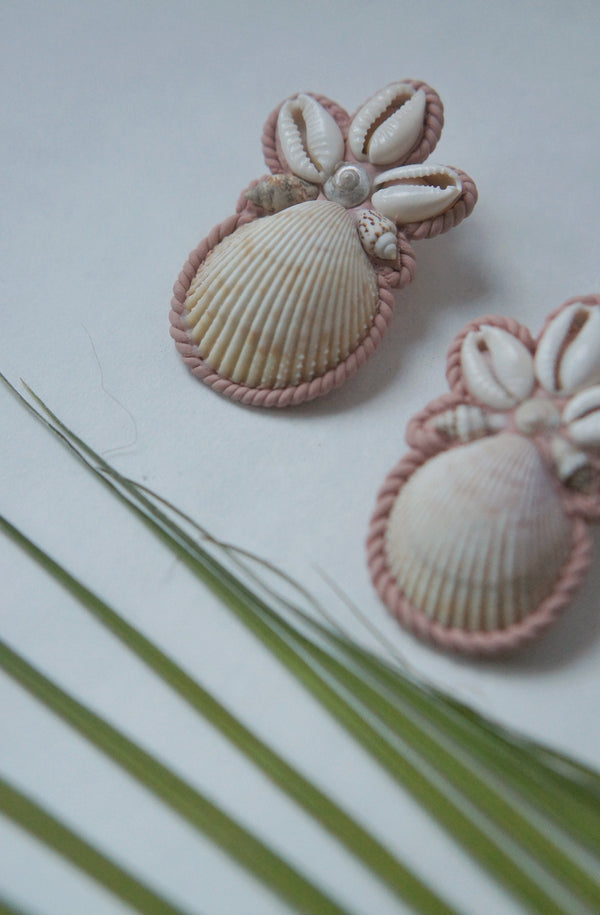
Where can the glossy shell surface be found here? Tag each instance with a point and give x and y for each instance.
(478, 535)
(283, 299)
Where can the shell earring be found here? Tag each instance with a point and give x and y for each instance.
(287, 298)
(480, 533)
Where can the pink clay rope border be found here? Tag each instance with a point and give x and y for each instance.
(425, 442)
(588, 506)
(432, 129)
(292, 394)
(387, 277)
(580, 504)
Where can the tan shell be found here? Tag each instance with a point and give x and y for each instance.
(283, 299)
(478, 535)
(277, 192)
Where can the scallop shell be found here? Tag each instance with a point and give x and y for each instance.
(284, 299)
(477, 536)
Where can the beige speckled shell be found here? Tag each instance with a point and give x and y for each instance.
(478, 535)
(283, 299)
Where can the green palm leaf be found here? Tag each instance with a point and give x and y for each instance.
(173, 790)
(530, 816)
(315, 802)
(48, 829)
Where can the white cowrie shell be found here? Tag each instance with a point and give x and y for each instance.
(387, 127)
(582, 416)
(497, 367)
(310, 139)
(378, 235)
(412, 193)
(568, 354)
(572, 465)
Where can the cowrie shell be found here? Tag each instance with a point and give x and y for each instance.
(387, 127)
(582, 416)
(497, 367)
(310, 139)
(572, 466)
(412, 193)
(568, 354)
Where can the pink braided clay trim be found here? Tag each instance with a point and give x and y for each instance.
(453, 366)
(587, 505)
(270, 146)
(450, 218)
(472, 643)
(293, 394)
(584, 299)
(432, 128)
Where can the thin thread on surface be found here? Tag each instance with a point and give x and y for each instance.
(116, 400)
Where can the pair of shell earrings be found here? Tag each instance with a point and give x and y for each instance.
(480, 534)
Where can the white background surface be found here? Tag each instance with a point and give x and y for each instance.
(130, 130)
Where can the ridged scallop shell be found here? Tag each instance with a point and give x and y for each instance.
(477, 536)
(283, 299)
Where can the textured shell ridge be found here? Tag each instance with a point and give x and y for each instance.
(287, 339)
(285, 298)
(499, 558)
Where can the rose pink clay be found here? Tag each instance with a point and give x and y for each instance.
(389, 275)
(426, 441)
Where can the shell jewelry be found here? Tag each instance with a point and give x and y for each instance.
(479, 536)
(287, 298)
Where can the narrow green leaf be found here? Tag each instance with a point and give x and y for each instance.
(8, 907)
(315, 802)
(546, 845)
(575, 807)
(178, 794)
(500, 853)
(564, 778)
(445, 793)
(33, 818)
(447, 811)
(561, 788)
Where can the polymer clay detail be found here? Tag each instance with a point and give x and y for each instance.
(480, 533)
(286, 299)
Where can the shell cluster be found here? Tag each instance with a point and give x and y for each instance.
(295, 292)
(479, 538)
